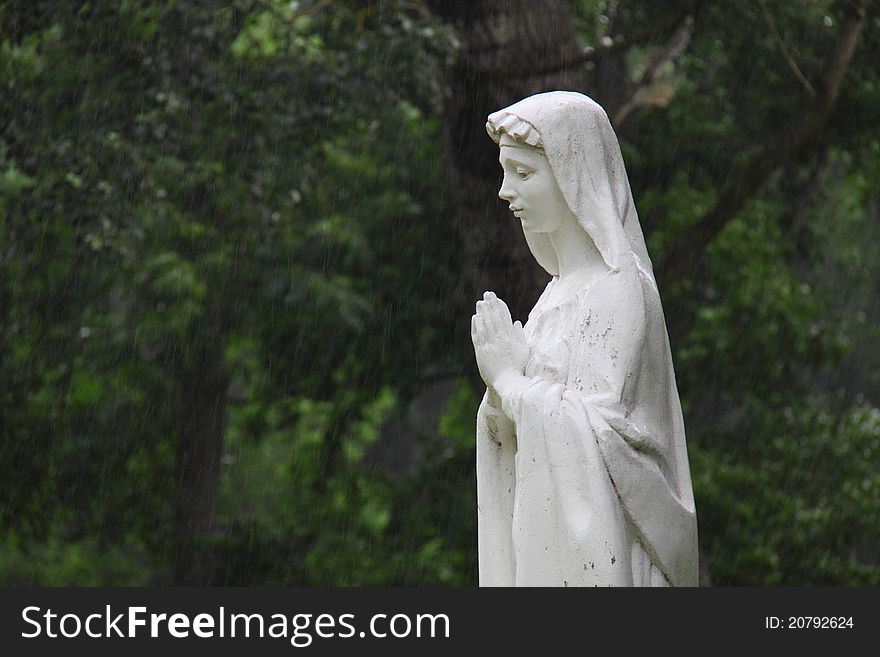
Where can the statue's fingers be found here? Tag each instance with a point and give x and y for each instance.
(496, 317)
(500, 308)
(505, 312)
(490, 311)
(516, 333)
(478, 330)
(487, 314)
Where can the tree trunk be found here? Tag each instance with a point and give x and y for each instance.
(505, 46)
(197, 465)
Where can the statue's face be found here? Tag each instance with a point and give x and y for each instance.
(530, 188)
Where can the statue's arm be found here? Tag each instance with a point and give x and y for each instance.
(496, 489)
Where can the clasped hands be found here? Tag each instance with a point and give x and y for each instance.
(499, 343)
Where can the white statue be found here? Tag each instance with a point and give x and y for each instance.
(582, 469)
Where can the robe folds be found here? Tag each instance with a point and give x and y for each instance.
(582, 473)
(582, 468)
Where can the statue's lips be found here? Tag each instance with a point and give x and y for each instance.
(516, 211)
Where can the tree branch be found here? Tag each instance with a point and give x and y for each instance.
(682, 257)
(786, 55)
(608, 46)
(673, 49)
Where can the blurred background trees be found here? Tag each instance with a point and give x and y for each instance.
(240, 242)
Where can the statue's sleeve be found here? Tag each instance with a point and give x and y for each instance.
(606, 440)
(496, 484)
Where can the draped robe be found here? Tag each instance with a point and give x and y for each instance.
(582, 472)
(578, 481)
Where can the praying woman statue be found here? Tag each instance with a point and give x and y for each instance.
(582, 468)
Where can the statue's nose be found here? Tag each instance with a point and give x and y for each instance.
(505, 193)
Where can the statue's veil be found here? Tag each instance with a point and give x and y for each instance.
(582, 149)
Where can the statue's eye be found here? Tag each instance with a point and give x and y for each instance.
(523, 173)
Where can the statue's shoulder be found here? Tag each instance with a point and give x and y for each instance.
(613, 281)
(619, 292)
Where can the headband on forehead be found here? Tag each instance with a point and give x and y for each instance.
(521, 131)
(506, 141)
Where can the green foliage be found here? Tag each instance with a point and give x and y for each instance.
(59, 562)
(211, 178)
(261, 184)
(801, 507)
